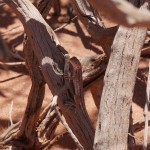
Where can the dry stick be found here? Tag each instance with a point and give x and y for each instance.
(122, 12)
(44, 6)
(11, 78)
(10, 113)
(27, 128)
(54, 106)
(69, 129)
(146, 112)
(11, 64)
(135, 137)
(13, 129)
(56, 138)
(64, 25)
(43, 114)
(15, 53)
(18, 29)
(139, 125)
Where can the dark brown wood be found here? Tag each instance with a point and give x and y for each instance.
(93, 67)
(4, 51)
(27, 130)
(46, 128)
(113, 123)
(44, 6)
(51, 59)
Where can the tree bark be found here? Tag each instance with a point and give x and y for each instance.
(27, 130)
(51, 59)
(119, 81)
(4, 52)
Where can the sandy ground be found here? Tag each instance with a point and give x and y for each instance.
(15, 82)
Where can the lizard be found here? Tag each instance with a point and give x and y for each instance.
(78, 84)
(66, 84)
(75, 77)
(67, 78)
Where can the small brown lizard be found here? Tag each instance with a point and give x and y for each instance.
(77, 80)
(67, 77)
(74, 74)
(66, 84)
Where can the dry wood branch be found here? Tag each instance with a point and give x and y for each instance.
(93, 67)
(117, 93)
(50, 143)
(69, 129)
(146, 112)
(47, 124)
(122, 12)
(15, 53)
(51, 60)
(28, 126)
(140, 125)
(90, 73)
(92, 21)
(9, 132)
(12, 64)
(11, 78)
(102, 35)
(47, 127)
(4, 51)
(64, 25)
(43, 114)
(131, 135)
(10, 113)
(44, 6)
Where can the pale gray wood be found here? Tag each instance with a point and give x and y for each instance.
(118, 88)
